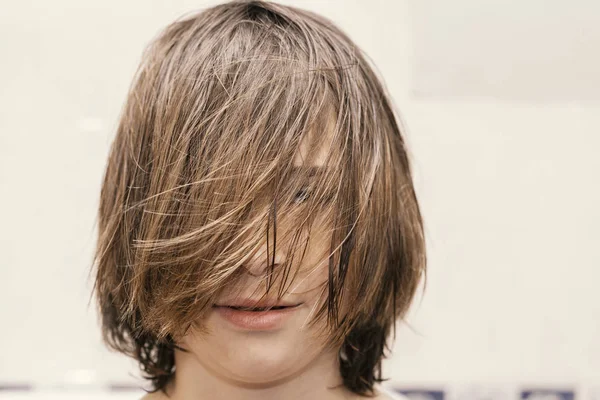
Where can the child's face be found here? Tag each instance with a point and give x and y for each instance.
(254, 347)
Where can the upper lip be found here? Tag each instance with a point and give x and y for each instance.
(249, 303)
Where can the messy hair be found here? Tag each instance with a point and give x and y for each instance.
(200, 172)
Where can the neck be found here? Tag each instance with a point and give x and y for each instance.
(319, 380)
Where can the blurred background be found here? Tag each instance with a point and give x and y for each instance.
(501, 105)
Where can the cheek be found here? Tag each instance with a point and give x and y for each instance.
(319, 249)
(313, 275)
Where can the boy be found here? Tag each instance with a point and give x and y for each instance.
(259, 233)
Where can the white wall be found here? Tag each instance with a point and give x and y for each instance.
(507, 171)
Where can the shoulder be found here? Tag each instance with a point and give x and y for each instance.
(387, 393)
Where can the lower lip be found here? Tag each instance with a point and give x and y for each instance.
(256, 320)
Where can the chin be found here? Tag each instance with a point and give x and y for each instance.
(255, 361)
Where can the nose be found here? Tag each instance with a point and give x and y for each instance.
(271, 251)
(260, 261)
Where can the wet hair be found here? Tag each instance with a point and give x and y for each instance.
(201, 171)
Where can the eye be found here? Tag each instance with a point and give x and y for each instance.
(302, 195)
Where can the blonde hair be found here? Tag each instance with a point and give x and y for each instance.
(214, 117)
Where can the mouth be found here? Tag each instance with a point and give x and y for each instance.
(257, 308)
(255, 316)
